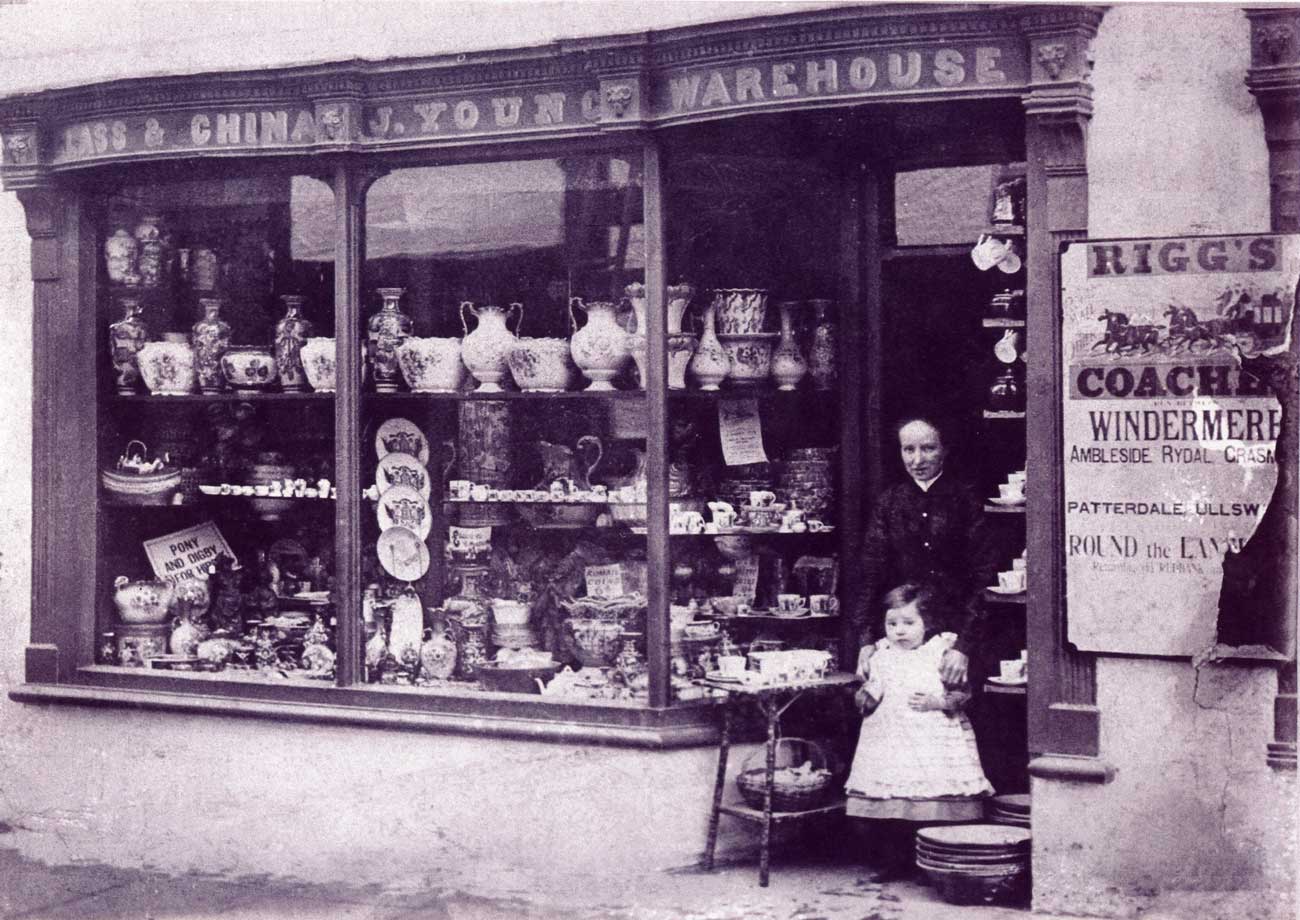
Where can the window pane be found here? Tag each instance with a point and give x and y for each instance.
(217, 451)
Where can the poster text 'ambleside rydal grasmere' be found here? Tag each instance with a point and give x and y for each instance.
(1169, 446)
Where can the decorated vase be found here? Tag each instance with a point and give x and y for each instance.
(710, 364)
(740, 311)
(125, 339)
(291, 333)
(168, 366)
(210, 338)
(639, 347)
(822, 347)
(542, 365)
(431, 365)
(635, 294)
(120, 251)
(152, 256)
(486, 350)
(203, 268)
(385, 332)
(788, 364)
(317, 356)
(600, 348)
(681, 348)
(679, 300)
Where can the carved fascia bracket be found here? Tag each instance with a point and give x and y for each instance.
(1060, 88)
(43, 208)
(21, 161)
(1274, 74)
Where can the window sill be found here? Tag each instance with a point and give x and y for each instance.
(499, 715)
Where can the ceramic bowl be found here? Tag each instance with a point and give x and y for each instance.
(249, 367)
(318, 363)
(431, 365)
(596, 643)
(541, 365)
(750, 355)
(167, 367)
(142, 602)
(509, 613)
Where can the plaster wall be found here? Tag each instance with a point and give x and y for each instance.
(1175, 147)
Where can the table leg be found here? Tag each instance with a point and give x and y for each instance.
(764, 855)
(718, 786)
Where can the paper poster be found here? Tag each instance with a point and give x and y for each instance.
(741, 432)
(746, 586)
(469, 540)
(186, 553)
(604, 580)
(1169, 446)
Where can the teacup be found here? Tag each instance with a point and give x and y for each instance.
(692, 522)
(1017, 476)
(790, 603)
(822, 603)
(731, 665)
(724, 606)
(724, 515)
(478, 493)
(1018, 564)
(1012, 491)
(1011, 670)
(792, 518)
(762, 499)
(1012, 581)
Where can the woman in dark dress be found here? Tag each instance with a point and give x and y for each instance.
(929, 529)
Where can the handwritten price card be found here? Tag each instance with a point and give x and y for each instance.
(741, 432)
(604, 580)
(186, 553)
(469, 540)
(746, 586)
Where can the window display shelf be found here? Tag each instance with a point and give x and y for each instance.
(993, 597)
(202, 398)
(508, 395)
(1004, 690)
(1002, 322)
(749, 392)
(992, 414)
(1004, 509)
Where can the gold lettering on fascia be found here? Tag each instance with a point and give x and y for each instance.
(485, 113)
(884, 71)
(199, 130)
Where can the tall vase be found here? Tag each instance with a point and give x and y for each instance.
(635, 294)
(788, 364)
(291, 334)
(385, 331)
(125, 339)
(822, 348)
(601, 346)
(210, 338)
(710, 364)
(151, 262)
(120, 251)
(679, 299)
(204, 268)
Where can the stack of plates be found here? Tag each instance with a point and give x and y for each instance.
(516, 637)
(1011, 810)
(973, 863)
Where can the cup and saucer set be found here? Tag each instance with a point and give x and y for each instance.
(1013, 580)
(1012, 492)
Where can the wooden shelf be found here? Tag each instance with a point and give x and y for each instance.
(754, 391)
(990, 413)
(1002, 322)
(1004, 509)
(253, 396)
(938, 250)
(1003, 690)
(746, 813)
(1018, 600)
(504, 395)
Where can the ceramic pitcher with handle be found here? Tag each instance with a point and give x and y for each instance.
(486, 350)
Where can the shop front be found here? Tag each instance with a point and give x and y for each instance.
(450, 420)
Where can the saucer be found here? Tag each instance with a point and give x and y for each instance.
(999, 500)
(998, 589)
(1007, 682)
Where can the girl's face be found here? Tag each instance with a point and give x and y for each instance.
(905, 627)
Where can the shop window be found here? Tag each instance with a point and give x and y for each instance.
(216, 445)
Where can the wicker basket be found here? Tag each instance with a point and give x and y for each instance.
(788, 796)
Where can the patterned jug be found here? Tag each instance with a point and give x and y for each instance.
(601, 347)
(486, 350)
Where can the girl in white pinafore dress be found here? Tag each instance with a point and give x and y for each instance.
(916, 759)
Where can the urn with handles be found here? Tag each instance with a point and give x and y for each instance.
(601, 347)
(486, 350)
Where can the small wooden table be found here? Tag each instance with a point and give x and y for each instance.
(773, 700)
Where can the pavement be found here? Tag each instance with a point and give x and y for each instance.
(801, 888)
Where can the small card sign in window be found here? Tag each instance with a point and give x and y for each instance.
(186, 553)
(604, 581)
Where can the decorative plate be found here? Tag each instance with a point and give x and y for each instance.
(399, 468)
(399, 434)
(403, 506)
(402, 554)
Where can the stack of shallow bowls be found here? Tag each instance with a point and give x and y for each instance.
(1012, 810)
(975, 863)
(505, 635)
(808, 481)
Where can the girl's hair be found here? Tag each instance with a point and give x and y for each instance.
(912, 593)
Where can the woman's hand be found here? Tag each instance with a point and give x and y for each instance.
(924, 702)
(952, 667)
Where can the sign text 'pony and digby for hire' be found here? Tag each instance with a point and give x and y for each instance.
(1169, 446)
(548, 106)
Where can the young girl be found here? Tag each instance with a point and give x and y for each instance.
(916, 759)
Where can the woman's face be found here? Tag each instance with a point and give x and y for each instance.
(905, 627)
(922, 450)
